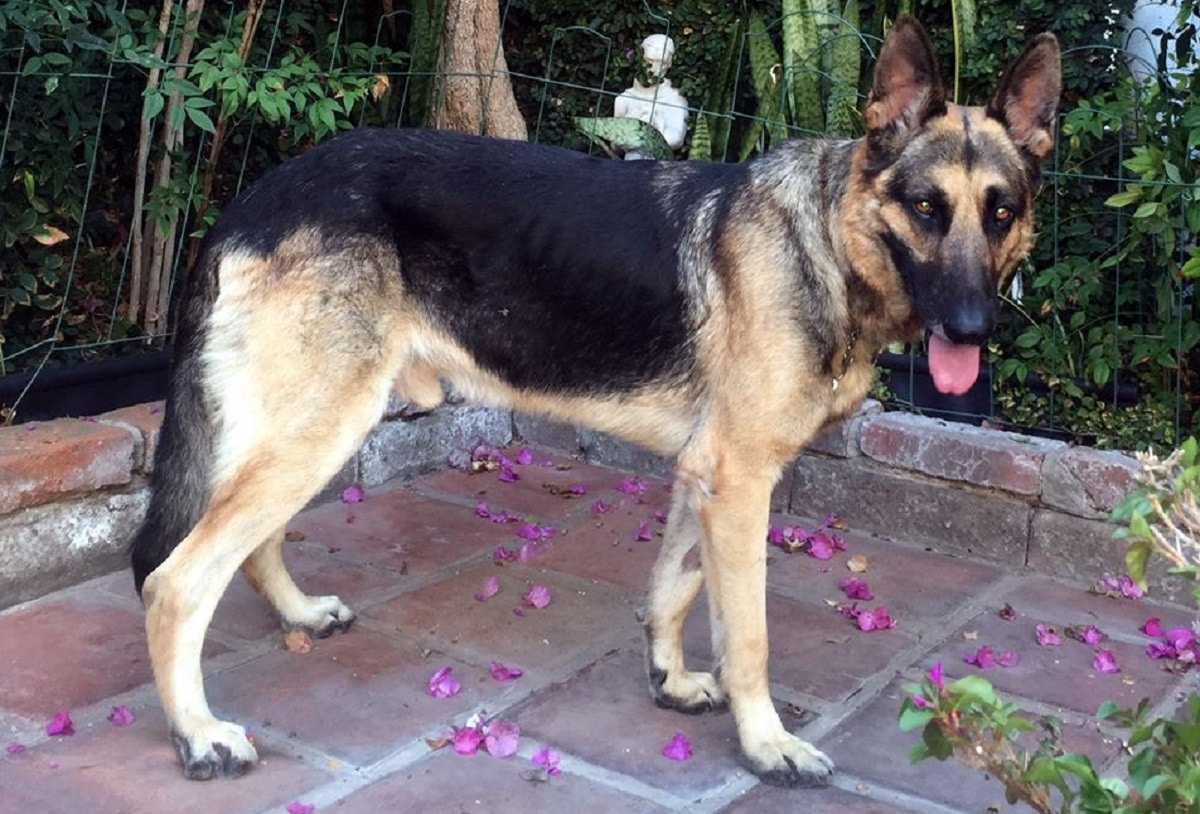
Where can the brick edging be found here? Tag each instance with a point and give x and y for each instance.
(73, 490)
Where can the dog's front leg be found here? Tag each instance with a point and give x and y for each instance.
(673, 588)
(733, 516)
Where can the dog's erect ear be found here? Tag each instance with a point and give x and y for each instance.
(907, 89)
(1027, 100)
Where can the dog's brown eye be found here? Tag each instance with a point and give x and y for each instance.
(923, 207)
(1002, 214)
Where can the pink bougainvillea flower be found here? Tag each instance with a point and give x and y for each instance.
(538, 596)
(1160, 650)
(1152, 626)
(534, 531)
(660, 516)
(491, 587)
(678, 748)
(1091, 635)
(631, 486)
(507, 473)
(502, 672)
(547, 759)
(1105, 661)
(121, 716)
(577, 489)
(467, 739)
(599, 506)
(61, 724)
(822, 544)
(856, 588)
(984, 658)
(531, 551)
(297, 807)
(443, 684)
(502, 738)
(877, 619)
(502, 554)
(353, 494)
(525, 456)
(1181, 638)
(643, 532)
(935, 675)
(14, 748)
(1129, 589)
(919, 701)
(495, 515)
(1047, 636)
(1008, 658)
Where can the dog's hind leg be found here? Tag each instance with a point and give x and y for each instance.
(673, 588)
(267, 573)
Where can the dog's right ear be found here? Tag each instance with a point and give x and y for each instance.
(907, 89)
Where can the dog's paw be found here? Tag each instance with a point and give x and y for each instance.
(786, 760)
(322, 616)
(687, 692)
(214, 749)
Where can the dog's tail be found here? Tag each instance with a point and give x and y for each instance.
(180, 482)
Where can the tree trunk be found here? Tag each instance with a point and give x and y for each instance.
(476, 95)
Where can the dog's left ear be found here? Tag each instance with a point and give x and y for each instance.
(1027, 100)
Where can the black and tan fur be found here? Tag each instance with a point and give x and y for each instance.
(721, 314)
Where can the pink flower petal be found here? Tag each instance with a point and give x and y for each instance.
(502, 738)
(877, 619)
(491, 587)
(443, 684)
(1105, 661)
(1159, 650)
(1047, 636)
(1008, 658)
(631, 486)
(856, 588)
(984, 658)
(61, 724)
(1180, 637)
(678, 748)
(353, 494)
(525, 456)
(660, 516)
(919, 701)
(599, 506)
(508, 474)
(538, 596)
(467, 740)
(501, 672)
(1129, 589)
(935, 675)
(1091, 635)
(121, 716)
(1152, 626)
(547, 758)
(297, 807)
(577, 489)
(14, 748)
(643, 533)
(503, 554)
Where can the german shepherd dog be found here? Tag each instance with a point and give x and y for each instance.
(721, 314)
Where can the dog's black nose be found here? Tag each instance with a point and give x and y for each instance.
(971, 324)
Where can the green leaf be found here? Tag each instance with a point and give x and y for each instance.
(625, 134)
(1147, 210)
(975, 687)
(201, 119)
(912, 717)
(1132, 194)
(700, 145)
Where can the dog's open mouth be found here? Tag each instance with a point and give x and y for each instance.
(954, 367)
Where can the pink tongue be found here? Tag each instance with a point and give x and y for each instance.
(954, 367)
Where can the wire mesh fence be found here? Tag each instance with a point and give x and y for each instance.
(123, 131)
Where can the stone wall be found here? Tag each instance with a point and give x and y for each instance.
(73, 490)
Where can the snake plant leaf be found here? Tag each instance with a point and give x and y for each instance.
(844, 73)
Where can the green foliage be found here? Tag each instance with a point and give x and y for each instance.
(625, 134)
(74, 92)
